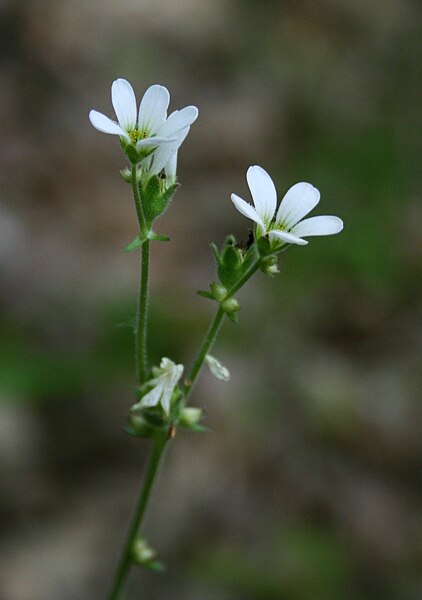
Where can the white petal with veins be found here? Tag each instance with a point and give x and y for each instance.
(321, 225)
(263, 192)
(300, 199)
(153, 108)
(124, 103)
(106, 125)
(286, 237)
(248, 211)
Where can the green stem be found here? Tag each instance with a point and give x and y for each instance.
(125, 563)
(203, 351)
(236, 287)
(213, 330)
(141, 322)
(138, 202)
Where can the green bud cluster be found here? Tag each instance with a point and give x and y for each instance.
(233, 262)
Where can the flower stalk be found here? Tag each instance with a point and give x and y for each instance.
(214, 329)
(141, 319)
(126, 560)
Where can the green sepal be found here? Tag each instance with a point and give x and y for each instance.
(195, 428)
(229, 261)
(155, 196)
(132, 154)
(232, 316)
(250, 257)
(268, 265)
(233, 261)
(146, 433)
(134, 244)
(154, 419)
(264, 247)
(155, 565)
(158, 238)
(141, 238)
(126, 175)
(205, 294)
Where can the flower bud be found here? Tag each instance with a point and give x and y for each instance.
(218, 291)
(139, 426)
(230, 306)
(269, 265)
(190, 416)
(126, 175)
(142, 552)
(217, 369)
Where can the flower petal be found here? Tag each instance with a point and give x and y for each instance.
(153, 108)
(287, 238)
(167, 153)
(170, 166)
(153, 397)
(162, 155)
(154, 141)
(248, 211)
(124, 103)
(263, 192)
(298, 202)
(178, 120)
(322, 225)
(106, 125)
(216, 368)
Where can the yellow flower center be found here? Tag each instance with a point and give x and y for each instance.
(136, 135)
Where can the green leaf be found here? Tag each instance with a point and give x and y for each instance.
(134, 244)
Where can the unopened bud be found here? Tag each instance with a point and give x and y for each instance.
(218, 291)
(269, 265)
(190, 416)
(126, 175)
(230, 306)
(216, 368)
(139, 426)
(142, 553)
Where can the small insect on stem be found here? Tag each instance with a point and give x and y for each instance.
(171, 432)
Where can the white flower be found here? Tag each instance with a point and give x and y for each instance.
(166, 379)
(150, 127)
(285, 227)
(216, 368)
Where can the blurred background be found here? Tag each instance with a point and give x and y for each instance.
(307, 485)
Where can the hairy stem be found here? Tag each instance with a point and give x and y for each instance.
(141, 321)
(213, 330)
(208, 341)
(125, 563)
(137, 198)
